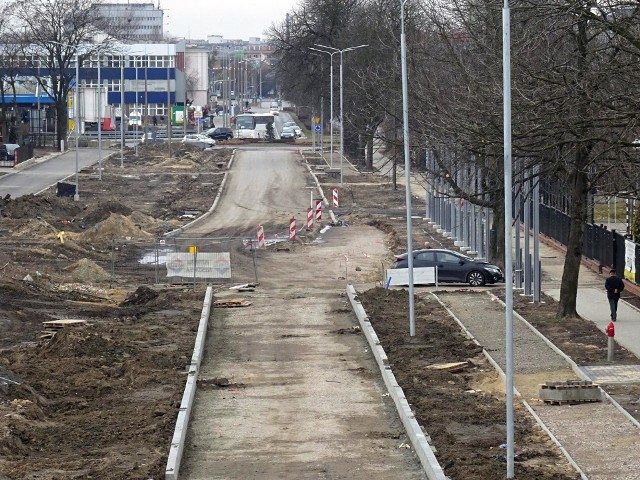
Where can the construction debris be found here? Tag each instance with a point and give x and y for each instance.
(570, 392)
(449, 367)
(231, 303)
(245, 287)
(51, 327)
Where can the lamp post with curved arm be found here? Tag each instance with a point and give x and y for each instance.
(335, 50)
(331, 54)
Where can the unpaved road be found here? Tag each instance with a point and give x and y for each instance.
(286, 391)
(264, 187)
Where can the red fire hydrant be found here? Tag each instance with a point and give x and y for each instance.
(611, 332)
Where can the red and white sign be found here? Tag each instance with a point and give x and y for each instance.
(335, 197)
(309, 218)
(318, 210)
(261, 243)
(292, 229)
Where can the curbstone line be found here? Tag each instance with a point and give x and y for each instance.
(326, 202)
(213, 206)
(182, 422)
(415, 433)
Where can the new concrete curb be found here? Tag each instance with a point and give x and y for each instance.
(213, 206)
(417, 437)
(515, 390)
(326, 202)
(182, 422)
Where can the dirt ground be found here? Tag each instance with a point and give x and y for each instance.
(100, 400)
(97, 400)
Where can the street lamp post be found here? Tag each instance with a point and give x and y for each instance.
(76, 122)
(508, 216)
(331, 54)
(122, 111)
(348, 49)
(76, 115)
(99, 121)
(407, 166)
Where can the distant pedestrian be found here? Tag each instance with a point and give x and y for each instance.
(614, 286)
(427, 245)
(155, 121)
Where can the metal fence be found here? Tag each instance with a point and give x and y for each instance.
(605, 246)
(184, 260)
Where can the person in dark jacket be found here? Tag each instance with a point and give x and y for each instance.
(614, 286)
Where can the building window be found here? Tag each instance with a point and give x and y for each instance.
(113, 85)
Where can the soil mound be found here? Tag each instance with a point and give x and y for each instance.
(31, 206)
(87, 271)
(104, 210)
(141, 296)
(79, 343)
(116, 226)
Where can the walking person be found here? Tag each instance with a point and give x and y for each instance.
(614, 286)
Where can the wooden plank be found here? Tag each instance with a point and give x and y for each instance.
(449, 367)
(64, 323)
(231, 303)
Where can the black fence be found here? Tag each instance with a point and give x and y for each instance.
(605, 246)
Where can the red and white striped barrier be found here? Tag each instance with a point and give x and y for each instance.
(261, 243)
(292, 229)
(335, 197)
(318, 210)
(309, 218)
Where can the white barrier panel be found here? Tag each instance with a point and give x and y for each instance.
(208, 265)
(421, 276)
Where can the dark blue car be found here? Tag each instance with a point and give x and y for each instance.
(453, 266)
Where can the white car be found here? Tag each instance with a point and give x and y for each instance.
(199, 140)
(295, 127)
(288, 133)
(274, 111)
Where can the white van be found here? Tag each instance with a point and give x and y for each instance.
(274, 106)
(135, 118)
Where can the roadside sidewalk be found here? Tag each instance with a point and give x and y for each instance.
(28, 163)
(592, 303)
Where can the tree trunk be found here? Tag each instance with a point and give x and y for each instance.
(496, 248)
(369, 155)
(578, 183)
(62, 120)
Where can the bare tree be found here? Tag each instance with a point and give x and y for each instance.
(55, 32)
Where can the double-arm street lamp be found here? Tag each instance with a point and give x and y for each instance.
(331, 54)
(341, 51)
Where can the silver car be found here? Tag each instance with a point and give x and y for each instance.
(288, 133)
(295, 127)
(198, 139)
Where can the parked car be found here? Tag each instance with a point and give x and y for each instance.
(288, 133)
(11, 150)
(453, 266)
(295, 127)
(199, 139)
(220, 133)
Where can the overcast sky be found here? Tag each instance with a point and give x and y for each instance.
(230, 18)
